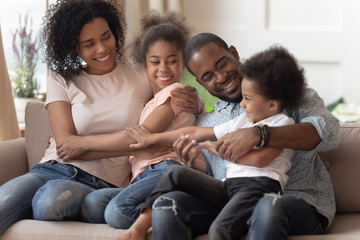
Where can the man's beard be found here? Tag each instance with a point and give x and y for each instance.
(232, 100)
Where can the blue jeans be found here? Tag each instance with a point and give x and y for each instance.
(187, 203)
(36, 193)
(186, 217)
(276, 217)
(120, 207)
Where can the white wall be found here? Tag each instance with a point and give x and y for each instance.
(324, 35)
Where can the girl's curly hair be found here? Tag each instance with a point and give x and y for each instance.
(61, 31)
(277, 74)
(170, 27)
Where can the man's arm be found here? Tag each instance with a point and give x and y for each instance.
(315, 127)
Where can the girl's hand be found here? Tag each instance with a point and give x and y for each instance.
(71, 147)
(188, 99)
(139, 133)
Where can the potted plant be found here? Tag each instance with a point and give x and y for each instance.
(25, 49)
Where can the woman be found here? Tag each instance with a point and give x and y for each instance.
(89, 92)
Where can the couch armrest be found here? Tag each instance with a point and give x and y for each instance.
(13, 159)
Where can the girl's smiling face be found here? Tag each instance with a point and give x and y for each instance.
(97, 47)
(256, 106)
(163, 64)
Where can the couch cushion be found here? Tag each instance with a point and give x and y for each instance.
(65, 230)
(38, 230)
(344, 167)
(37, 131)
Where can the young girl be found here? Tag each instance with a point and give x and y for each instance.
(159, 47)
(265, 95)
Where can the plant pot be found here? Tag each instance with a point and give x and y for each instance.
(20, 104)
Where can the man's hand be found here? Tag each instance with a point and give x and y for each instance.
(236, 144)
(71, 147)
(139, 133)
(188, 99)
(185, 149)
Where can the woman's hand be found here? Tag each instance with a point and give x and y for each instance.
(139, 133)
(71, 147)
(188, 99)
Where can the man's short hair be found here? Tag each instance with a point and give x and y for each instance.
(197, 42)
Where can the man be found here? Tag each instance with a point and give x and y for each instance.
(307, 205)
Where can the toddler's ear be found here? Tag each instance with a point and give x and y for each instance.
(234, 52)
(274, 105)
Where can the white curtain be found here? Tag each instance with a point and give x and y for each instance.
(9, 128)
(135, 9)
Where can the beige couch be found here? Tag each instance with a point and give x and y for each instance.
(18, 155)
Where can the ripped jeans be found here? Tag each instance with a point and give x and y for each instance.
(120, 207)
(225, 207)
(278, 216)
(49, 191)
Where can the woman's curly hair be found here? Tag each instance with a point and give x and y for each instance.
(170, 27)
(61, 31)
(277, 75)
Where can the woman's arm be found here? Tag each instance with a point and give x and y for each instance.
(74, 146)
(145, 138)
(60, 119)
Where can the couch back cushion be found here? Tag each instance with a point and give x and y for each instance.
(343, 165)
(37, 131)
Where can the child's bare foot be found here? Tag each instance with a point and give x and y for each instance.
(130, 234)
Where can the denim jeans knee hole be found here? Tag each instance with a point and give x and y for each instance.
(165, 203)
(275, 197)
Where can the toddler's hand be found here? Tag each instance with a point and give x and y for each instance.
(210, 146)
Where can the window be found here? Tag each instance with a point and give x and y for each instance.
(10, 11)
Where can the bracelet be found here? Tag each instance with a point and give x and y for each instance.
(264, 135)
(266, 131)
(261, 136)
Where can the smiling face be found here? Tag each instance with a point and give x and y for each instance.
(225, 85)
(163, 64)
(97, 47)
(256, 106)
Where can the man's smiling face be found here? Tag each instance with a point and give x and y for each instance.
(218, 70)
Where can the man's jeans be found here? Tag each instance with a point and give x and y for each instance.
(49, 191)
(120, 207)
(186, 216)
(278, 216)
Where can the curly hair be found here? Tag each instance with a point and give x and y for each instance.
(277, 75)
(170, 27)
(61, 31)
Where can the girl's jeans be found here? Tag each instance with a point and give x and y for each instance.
(120, 207)
(49, 191)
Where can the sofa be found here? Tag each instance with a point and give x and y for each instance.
(19, 155)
